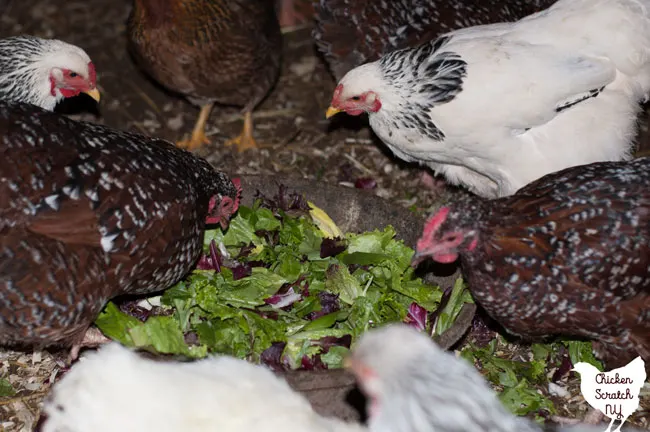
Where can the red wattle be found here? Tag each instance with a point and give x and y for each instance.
(69, 92)
(445, 258)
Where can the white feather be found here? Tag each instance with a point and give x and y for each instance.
(117, 390)
(502, 130)
(418, 387)
(26, 64)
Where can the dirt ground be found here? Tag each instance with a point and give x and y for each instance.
(298, 141)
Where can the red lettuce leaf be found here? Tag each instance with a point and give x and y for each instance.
(417, 317)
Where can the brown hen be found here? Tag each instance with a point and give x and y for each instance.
(224, 51)
(88, 213)
(568, 254)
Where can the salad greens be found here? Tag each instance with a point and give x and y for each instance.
(285, 287)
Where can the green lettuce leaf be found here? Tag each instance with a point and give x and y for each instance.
(6, 389)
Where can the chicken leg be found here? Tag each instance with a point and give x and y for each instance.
(245, 141)
(198, 137)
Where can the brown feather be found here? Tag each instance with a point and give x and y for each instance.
(88, 213)
(209, 50)
(568, 254)
(74, 223)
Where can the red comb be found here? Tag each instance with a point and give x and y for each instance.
(92, 75)
(432, 226)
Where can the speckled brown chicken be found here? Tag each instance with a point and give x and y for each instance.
(568, 254)
(224, 51)
(88, 213)
(352, 32)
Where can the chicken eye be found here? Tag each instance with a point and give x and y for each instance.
(356, 98)
(452, 238)
(73, 74)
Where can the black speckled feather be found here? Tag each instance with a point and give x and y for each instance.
(16, 54)
(88, 213)
(428, 71)
(352, 32)
(26, 63)
(567, 254)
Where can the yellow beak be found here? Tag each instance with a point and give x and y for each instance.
(331, 111)
(94, 93)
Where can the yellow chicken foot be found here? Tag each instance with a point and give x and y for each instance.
(198, 137)
(245, 141)
(92, 338)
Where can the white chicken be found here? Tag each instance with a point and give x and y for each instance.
(415, 386)
(495, 107)
(412, 384)
(115, 389)
(42, 72)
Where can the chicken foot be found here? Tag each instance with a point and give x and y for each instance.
(92, 338)
(198, 137)
(245, 140)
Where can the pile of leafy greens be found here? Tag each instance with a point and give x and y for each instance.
(282, 286)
